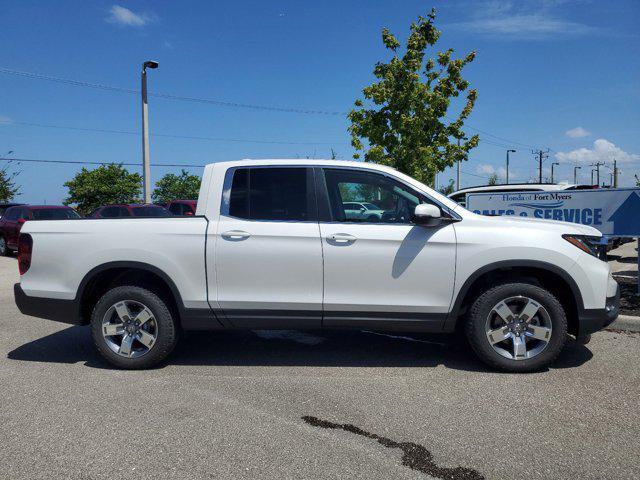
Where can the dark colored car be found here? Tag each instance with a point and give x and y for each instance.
(141, 210)
(180, 207)
(4, 206)
(14, 217)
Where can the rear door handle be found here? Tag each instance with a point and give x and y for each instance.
(236, 235)
(342, 238)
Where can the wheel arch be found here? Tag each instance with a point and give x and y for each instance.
(108, 275)
(547, 275)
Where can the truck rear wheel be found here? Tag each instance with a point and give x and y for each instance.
(4, 250)
(517, 327)
(132, 328)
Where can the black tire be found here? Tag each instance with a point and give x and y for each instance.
(4, 249)
(167, 331)
(476, 324)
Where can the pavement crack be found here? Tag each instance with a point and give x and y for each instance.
(414, 456)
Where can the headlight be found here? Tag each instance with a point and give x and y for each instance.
(583, 242)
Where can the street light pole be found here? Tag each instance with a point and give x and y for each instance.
(458, 171)
(146, 162)
(575, 174)
(552, 165)
(513, 151)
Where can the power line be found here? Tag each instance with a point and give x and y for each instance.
(167, 135)
(195, 137)
(169, 96)
(83, 162)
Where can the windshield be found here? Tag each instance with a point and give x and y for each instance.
(54, 214)
(150, 211)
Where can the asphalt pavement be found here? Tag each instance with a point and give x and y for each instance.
(310, 405)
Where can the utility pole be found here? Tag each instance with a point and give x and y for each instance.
(592, 170)
(146, 162)
(542, 155)
(597, 165)
(575, 174)
(615, 174)
(512, 151)
(552, 165)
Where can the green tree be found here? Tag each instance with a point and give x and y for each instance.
(8, 187)
(106, 184)
(173, 187)
(493, 179)
(637, 181)
(448, 189)
(404, 124)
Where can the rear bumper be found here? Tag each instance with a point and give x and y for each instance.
(591, 321)
(65, 311)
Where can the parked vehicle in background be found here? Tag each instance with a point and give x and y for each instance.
(180, 207)
(129, 210)
(4, 206)
(271, 247)
(460, 196)
(362, 211)
(14, 217)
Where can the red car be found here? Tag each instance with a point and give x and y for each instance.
(181, 207)
(14, 217)
(130, 210)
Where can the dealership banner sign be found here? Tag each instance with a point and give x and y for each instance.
(615, 212)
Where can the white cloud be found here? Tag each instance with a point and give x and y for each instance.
(487, 169)
(577, 132)
(602, 151)
(5, 120)
(124, 17)
(525, 20)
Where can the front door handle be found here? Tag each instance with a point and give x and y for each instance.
(342, 238)
(235, 235)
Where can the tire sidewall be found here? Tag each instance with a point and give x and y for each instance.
(167, 331)
(4, 249)
(480, 310)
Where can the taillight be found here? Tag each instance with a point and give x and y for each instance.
(25, 247)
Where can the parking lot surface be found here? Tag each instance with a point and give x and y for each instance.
(289, 404)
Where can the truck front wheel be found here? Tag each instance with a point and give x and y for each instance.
(132, 328)
(517, 327)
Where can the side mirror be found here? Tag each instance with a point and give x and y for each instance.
(427, 215)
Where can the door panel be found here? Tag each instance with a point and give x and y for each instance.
(268, 271)
(383, 270)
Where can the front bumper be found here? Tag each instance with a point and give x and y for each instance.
(593, 320)
(65, 311)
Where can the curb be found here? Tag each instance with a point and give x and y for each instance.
(626, 322)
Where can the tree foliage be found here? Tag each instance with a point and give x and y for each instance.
(173, 187)
(8, 187)
(493, 179)
(448, 189)
(90, 189)
(405, 124)
(637, 181)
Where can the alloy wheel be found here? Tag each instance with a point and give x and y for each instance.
(129, 329)
(518, 328)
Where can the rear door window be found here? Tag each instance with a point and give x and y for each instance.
(273, 193)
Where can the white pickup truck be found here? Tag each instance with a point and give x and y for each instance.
(270, 247)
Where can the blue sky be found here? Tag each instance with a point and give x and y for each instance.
(556, 74)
